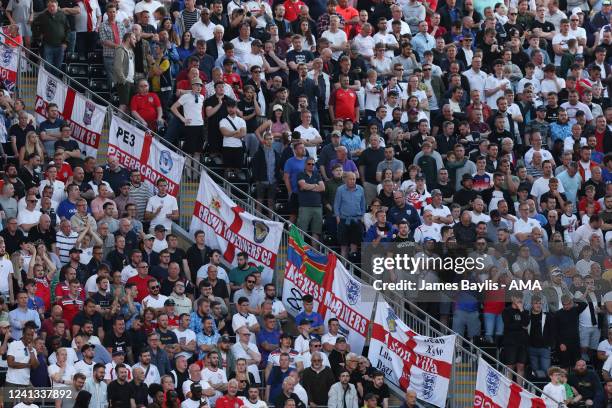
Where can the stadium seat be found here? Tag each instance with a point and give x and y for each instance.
(99, 85)
(71, 57)
(97, 71)
(78, 70)
(95, 57)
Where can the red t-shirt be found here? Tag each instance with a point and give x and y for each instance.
(600, 139)
(582, 205)
(233, 80)
(146, 106)
(64, 173)
(142, 284)
(345, 103)
(62, 290)
(292, 9)
(43, 290)
(229, 402)
(71, 308)
(347, 14)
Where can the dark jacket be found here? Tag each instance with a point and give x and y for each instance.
(211, 48)
(258, 166)
(52, 29)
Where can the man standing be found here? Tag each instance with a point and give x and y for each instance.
(111, 35)
(119, 389)
(162, 208)
(124, 69)
(349, 207)
(343, 394)
(96, 386)
(52, 27)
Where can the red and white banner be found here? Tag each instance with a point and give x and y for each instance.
(9, 66)
(137, 149)
(495, 390)
(85, 117)
(411, 361)
(232, 230)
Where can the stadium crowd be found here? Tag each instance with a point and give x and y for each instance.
(382, 121)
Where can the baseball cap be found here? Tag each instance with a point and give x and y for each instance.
(336, 133)
(4, 323)
(118, 352)
(160, 227)
(277, 107)
(541, 108)
(466, 176)
(579, 57)
(429, 239)
(576, 11)
(341, 339)
(149, 236)
(606, 2)
(169, 302)
(224, 339)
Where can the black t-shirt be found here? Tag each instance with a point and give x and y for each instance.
(20, 134)
(248, 108)
(381, 393)
(220, 288)
(552, 114)
(119, 395)
(47, 237)
(370, 159)
(117, 260)
(307, 198)
(547, 26)
(12, 242)
(167, 338)
(68, 4)
(117, 342)
(447, 189)
(298, 57)
(104, 301)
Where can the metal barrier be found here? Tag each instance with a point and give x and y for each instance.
(463, 378)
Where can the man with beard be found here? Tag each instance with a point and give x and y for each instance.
(214, 375)
(119, 389)
(96, 386)
(586, 383)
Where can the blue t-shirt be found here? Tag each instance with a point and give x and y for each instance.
(66, 209)
(294, 167)
(317, 319)
(270, 337)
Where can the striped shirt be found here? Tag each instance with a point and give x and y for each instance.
(189, 18)
(140, 195)
(64, 244)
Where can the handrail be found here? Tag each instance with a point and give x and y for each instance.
(413, 313)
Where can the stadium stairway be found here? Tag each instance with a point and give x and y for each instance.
(239, 189)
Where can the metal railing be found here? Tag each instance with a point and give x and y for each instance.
(463, 378)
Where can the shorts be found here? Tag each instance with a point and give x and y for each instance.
(265, 190)
(589, 337)
(125, 92)
(351, 233)
(310, 217)
(194, 139)
(515, 354)
(233, 157)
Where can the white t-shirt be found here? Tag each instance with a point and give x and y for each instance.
(309, 134)
(69, 371)
(23, 405)
(26, 216)
(477, 80)
(19, 376)
(201, 31)
(387, 39)
(579, 33)
(111, 374)
(126, 273)
(560, 39)
(239, 320)
(240, 352)
(548, 85)
(438, 212)
(221, 273)
(493, 82)
(84, 368)
(427, 231)
(546, 155)
(605, 346)
(365, 45)
(151, 374)
(214, 377)
(249, 404)
(191, 109)
(476, 218)
(168, 204)
(554, 393)
(329, 338)
(521, 226)
(80, 20)
(6, 269)
(226, 123)
(159, 245)
(150, 301)
(540, 186)
(148, 6)
(337, 39)
(184, 337)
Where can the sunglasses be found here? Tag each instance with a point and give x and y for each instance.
(250, 281)
(155, 287)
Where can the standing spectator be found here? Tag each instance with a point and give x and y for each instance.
(52, 28)
(566, 331)
(310, 213)
(162, 208)
(111, 35)
(349, 207)
(540, 337)
(192, 118)
(124, 69)
(21, 315)
(21, 357)
(233, 128)
(516, 319)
